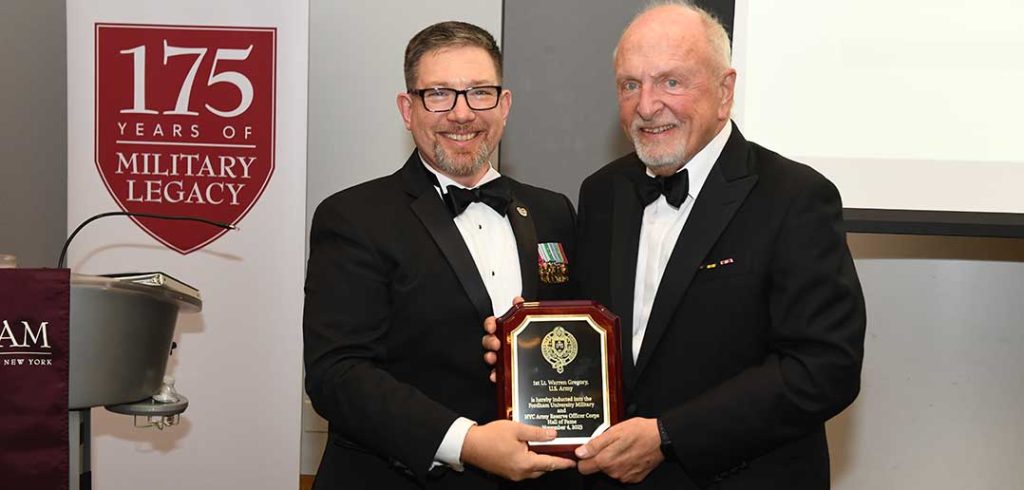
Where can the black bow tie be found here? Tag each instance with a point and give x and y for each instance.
(674, 188)
(495, 194)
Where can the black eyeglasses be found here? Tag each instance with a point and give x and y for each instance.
(440, 99)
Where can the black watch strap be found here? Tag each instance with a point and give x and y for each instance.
(666, 442)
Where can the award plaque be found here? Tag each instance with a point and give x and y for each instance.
(559, 368)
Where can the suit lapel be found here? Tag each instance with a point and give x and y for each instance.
(521, 219)
(724, 190)
(431, 211)
(627, 217)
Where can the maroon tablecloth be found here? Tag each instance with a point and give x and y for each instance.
(34, 306)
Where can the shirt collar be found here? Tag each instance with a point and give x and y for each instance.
(446, 181)
(699, 167)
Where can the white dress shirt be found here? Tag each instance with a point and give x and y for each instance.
(659, 233)
(491, 242)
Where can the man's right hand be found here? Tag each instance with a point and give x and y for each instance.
(500, 448)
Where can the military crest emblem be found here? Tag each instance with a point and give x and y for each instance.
(559, 348)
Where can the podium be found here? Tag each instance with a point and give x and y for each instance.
(121, 330)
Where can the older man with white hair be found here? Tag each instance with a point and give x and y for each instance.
(742, 316)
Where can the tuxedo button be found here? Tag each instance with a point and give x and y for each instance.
(631, 410)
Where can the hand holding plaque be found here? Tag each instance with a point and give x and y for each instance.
(558, 368)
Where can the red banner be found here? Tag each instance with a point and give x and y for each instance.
(185, 124)
(34, 307)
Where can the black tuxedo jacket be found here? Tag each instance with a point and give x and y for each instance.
(392, 325)
(756, 334)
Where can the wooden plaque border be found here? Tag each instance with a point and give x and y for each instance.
(601, 316)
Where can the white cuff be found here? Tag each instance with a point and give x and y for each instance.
(450, 450)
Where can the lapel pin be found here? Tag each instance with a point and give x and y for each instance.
(720, 263)
(522, 211)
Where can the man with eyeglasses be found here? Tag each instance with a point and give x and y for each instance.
(403, 269)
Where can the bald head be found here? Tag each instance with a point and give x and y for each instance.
(675, 85)
(687, 23)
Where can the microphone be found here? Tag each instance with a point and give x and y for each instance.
(67, 243)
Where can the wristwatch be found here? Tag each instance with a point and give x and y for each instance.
(666, 442)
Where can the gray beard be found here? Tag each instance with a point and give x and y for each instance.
(454, 169)
(652, 162)
(673, 158)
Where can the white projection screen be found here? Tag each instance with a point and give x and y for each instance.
(904, 105)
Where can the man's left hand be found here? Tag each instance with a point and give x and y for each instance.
(627, 451)
(491, 343)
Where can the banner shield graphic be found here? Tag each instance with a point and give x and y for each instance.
(185, 124)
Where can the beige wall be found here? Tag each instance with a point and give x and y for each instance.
(942, 400)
